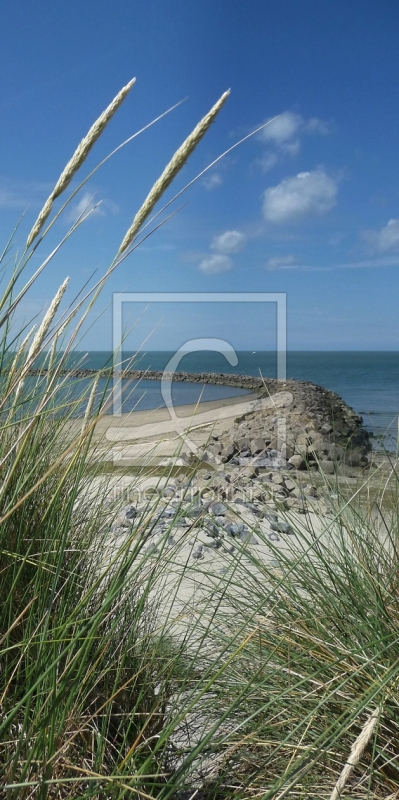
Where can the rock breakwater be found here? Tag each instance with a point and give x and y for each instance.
(318, 428)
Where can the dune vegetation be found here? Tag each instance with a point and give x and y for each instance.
(283, 682)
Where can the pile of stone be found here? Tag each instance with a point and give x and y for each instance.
(209, 527)
(317, 430)
(253, 476)
(224, 511)
(276, 490)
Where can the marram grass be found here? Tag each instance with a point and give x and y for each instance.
(284, 684)
(78, 158)
(171, 170)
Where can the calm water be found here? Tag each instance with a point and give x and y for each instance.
(367, 381)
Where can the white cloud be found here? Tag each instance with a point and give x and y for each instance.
(229, 242)
(215, 263)
(288, 126)
(315, 125)
(83, 206)
(212, 181)
(88, 203)
(304, 194)
(292, 148)
(284, 134)
(378, 262)
(281, 262)
(385, 239)
(282, 129)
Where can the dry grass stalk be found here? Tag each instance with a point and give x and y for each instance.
(90, 403)
(36, 345)
(46, 322)
(78, 158)
(53, 353)
(356, 753)
(175, 164)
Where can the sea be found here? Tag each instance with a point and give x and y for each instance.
(367, 381)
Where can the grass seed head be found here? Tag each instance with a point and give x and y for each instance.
(47, 320)
(175, 164)
(78, 158)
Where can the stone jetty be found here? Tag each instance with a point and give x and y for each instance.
(317, 429)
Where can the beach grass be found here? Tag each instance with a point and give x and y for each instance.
(281, 681)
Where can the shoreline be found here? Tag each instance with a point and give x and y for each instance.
(264, 385)
(158, 415)
(288, 424)
(247, 382)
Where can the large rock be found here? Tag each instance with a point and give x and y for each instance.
(244, 444)
(316, 426)
(258, 446)
(327, 467)
(317, 451)
(218, 509)
(297, 461)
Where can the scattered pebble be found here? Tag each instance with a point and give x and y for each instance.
(218, 509)
(273, 537)
(281, 527)
(169, 513)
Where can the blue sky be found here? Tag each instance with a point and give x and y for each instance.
(309, 207)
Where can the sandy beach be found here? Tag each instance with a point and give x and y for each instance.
(239, 503)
